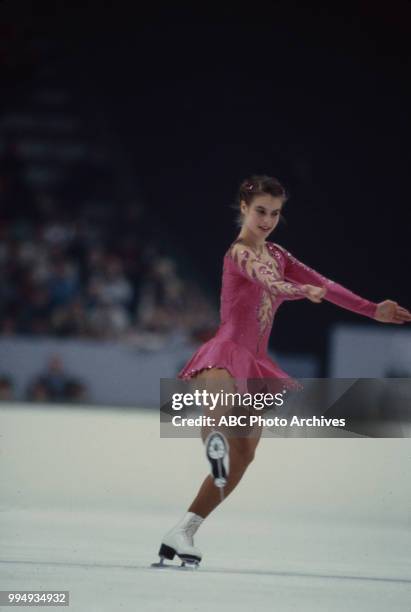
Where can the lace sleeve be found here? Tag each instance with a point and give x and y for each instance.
(258, 272)
(295, 271)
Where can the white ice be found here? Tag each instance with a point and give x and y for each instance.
(86, 495)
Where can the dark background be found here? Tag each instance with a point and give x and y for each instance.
(316, 95)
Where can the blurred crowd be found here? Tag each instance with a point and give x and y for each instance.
(89, 270)
(52, 384)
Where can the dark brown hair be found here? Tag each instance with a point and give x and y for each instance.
(258, 185)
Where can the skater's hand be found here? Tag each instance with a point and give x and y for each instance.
(313, 293)
(390, 312)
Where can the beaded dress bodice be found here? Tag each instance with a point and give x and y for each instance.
(253, 288)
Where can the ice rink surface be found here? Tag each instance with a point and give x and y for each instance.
(86, 495)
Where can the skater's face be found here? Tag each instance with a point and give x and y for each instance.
(262, 214)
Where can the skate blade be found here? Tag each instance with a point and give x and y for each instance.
(184, 567)
(220, 482)
(216, 446)
(216, 458)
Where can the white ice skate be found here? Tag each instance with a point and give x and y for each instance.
(216, 447)
(179, 541)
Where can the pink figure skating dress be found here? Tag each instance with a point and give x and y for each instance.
(252, 290)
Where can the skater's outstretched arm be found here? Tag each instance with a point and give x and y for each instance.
(387, 311)
(256, 270)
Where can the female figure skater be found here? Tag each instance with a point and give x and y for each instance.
(257, 277)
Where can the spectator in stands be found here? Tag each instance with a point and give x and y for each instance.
(56, 385)
(6, 388)
(161, 297)
(37, 392)
(71, 320)
(110, 294)
(55, 379)
(36, 311)
(62, 283)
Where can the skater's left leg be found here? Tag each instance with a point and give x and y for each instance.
(180, 539)
(241, 452)
(241, 449)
